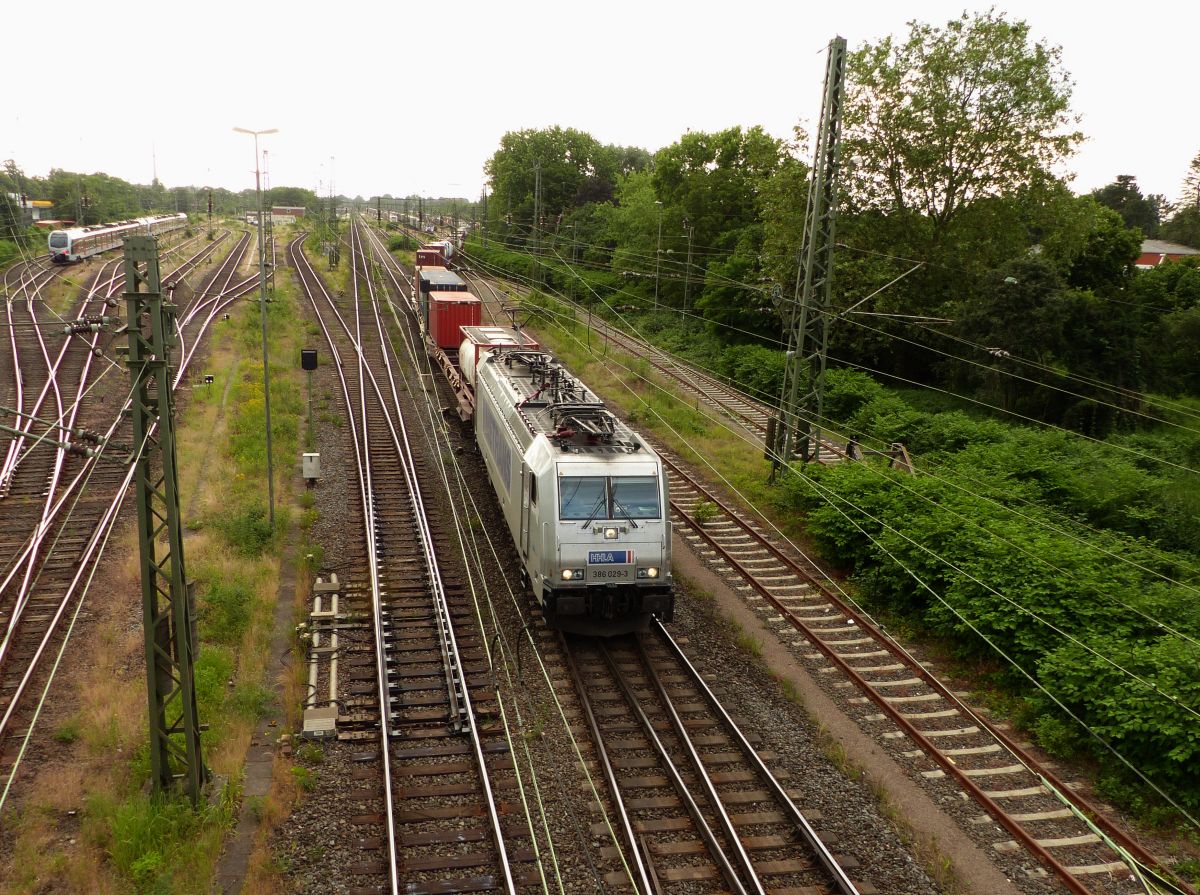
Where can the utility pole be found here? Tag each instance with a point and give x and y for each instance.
(378, 210)
(262, 309)
(574, 238)
(485, 219)
(537, 217)
(170, 642)
(210, 229)
(658, 251)
(798, 422)
(687, 272)
(270, 225)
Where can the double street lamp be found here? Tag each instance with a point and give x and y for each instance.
(262, 306)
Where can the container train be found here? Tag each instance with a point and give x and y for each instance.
(83, 242)
(444, 304)
(584, 497)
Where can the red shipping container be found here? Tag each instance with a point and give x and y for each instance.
(449, 312)
(430, 258)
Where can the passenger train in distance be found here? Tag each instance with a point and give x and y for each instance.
(83, 242)
(584, 497)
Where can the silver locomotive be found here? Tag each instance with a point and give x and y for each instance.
(585, 498)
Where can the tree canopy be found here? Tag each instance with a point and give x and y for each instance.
(948, 116)
(1140, 212)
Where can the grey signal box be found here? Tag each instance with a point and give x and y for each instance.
(310, 466)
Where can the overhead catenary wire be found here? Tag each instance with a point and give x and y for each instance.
(527, 634)
(997, 593)
(751, 391)
(842, 314)
(464, 532)
(1041, 687)
(1108, 596)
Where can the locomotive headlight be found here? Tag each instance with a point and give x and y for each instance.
(610, 534)
(572, 574)
(567, 574)
(652, 572)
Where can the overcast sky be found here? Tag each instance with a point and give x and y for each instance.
(414, 97)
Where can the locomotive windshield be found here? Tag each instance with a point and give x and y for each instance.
(601, 497)
(637, 496)
(581, 496)
(58, 240)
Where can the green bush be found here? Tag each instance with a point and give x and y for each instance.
(403, 243)
(248, 530)
(1016, 585)
(148, 836)
(224, 607)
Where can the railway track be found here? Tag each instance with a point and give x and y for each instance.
(697, 803)
(442, 817)
(52, 542)
(764, 842)
(902, 701)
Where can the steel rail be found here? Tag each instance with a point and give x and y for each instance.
(237, 291)
(404, 448)
(309, 279)
(1079, 802)
(824, 855)
(29, 554)
(98, 535)
(14, 446)
(706, 831)
(710, 788)
(610, 774)
(946, 762)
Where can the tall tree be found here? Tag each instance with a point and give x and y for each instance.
(574, 166)
(1191, 184)
(1125, 198)
(1183, 227)
(944, 117)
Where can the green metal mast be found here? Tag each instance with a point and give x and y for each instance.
(166, 613)
(798, 424)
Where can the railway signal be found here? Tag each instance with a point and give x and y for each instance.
(308, 363)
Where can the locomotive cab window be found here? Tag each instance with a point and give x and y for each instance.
(635, 496)
(581, 497)
(58, 240)
(601, 497)
(533, 490)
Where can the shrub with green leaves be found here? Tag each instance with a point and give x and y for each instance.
(1011, 549)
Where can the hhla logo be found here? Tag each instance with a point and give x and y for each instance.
(605, 557)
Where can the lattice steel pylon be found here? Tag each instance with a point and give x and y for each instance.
(166, 613)
(798, 422)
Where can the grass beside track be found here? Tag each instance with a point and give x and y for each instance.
(88, 824)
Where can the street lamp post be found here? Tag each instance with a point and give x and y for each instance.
(658, 252)
(262, 307)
